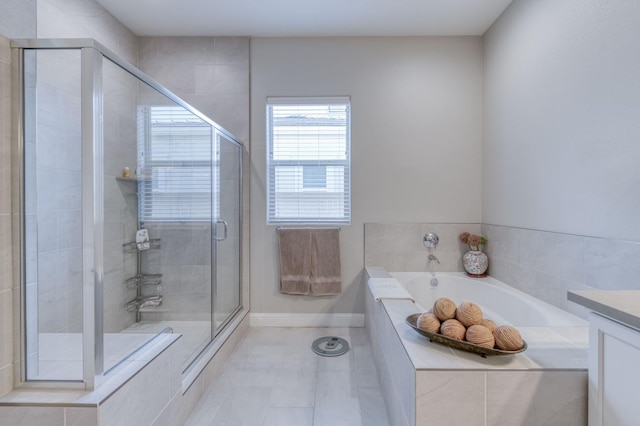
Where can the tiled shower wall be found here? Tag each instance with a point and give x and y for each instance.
(547, 264)
(53, 193)
(184, 260)
(212, 75)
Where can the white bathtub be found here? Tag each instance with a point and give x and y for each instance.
(499, 302)
(422, 380)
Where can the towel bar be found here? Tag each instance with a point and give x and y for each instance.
(309, 227)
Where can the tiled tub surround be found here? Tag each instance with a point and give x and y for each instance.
(547, 384)
(548, 264)
(398, 246)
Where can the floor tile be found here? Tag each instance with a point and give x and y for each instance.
(274, 378)
(278, 416)
(243, 407)
(372, 407)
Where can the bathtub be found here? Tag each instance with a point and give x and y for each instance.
(422, 380)
(499, 301)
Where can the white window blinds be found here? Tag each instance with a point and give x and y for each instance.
(308, 160)
(176, 164)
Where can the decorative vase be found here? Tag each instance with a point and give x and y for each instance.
(475, 263)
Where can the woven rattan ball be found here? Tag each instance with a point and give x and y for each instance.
(444, 309)
(453, 328)
(507, 338)
(489, 324)
(428, 322)
(480, 335)
(469, 313)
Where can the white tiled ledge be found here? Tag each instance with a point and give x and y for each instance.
(51, 397)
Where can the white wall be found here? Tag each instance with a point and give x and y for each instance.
(416, 141)
(562, 109)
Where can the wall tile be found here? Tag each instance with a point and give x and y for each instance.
(557, 254)
(231, 50)
(81, 416)
(18, 18)
(438, 395)
(154, 382)
(147, 51)
(31, 416)
(547, 265)
(85, 19)
(6, 379)
(192, 50)
(399, 247)
(6, 278)
(222, 78)
(514, 397)
(6, 327)
(612, 264)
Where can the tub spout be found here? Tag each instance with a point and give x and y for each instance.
(431, 259)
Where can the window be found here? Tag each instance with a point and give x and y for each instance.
(176, 158)
(308, 160)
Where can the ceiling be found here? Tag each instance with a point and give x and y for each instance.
(300, 18)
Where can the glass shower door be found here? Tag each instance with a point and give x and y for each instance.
(227, 236)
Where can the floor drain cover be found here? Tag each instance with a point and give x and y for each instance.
(330, 346)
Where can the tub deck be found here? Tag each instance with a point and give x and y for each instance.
(548, 347)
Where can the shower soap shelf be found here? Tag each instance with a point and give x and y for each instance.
(144, 280)
(134, 179)
(143, 302)
(132, 247)
(139, 303)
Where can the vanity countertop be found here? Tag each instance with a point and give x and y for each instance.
(620, 305)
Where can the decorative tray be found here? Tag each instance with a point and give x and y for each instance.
(460, 344)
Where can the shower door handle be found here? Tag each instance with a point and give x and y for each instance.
(225, 227)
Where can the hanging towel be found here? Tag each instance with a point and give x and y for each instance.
(310, 261)
(387, 288)
(326, 276)
(294, 248)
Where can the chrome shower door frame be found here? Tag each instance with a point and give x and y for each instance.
(92, 146)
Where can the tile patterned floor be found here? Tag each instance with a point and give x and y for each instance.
(273, 378)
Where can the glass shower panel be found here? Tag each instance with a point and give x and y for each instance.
(120, 294)
(227, 230)
(175, 161)
(53, 253)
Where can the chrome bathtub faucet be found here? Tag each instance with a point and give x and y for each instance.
(431, 259)
(430, 241)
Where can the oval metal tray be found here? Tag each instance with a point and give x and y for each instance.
(460, 344)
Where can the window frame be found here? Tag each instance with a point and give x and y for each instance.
(272, 164)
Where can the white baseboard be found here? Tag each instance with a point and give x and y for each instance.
(306, 320)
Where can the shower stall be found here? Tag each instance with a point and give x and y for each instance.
(104, 152)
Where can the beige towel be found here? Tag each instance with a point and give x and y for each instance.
(310, 261)
(326, 277)
(294, 247)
